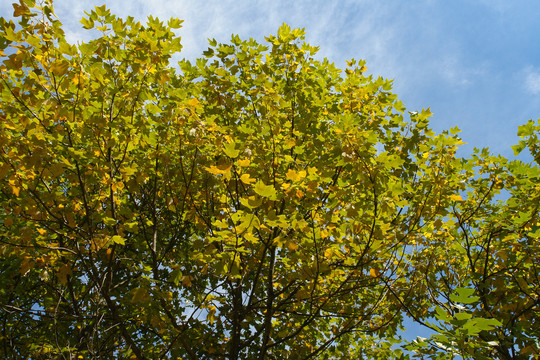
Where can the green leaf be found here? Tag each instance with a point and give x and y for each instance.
(441, 314)
(463, 316)
(87, 23)
(176, 276)
(526, 129)
(475, 326)
(230, 151)
(463, 296)
(518, 148)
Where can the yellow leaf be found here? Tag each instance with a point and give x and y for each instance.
(292, 246)
(425, 155)
(243, 162)
(252, 202)
(279, 241)
(118, 240)
(264, 190)
(99, 242)
(193, 102)
(167, 295)
(251, 237)
(290, 142)
(246, 179)
(291, 175)
(219, 170)
(456, 197)
(59, 67)
(42, 231)
(211, 316)
(164, 78)
(374, 272)
(294, 175)
(16, 190)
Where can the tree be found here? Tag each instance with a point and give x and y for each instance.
(256, 204)
(480, 261)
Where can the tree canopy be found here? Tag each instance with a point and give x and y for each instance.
(257, 203)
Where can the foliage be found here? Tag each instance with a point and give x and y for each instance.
(257, 203)
(487, 245)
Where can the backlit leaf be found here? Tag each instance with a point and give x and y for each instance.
(264, 190)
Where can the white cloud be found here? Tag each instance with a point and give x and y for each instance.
(532, 79)
(343, 31)
(499, 6)
(453, 71)
(457, 72)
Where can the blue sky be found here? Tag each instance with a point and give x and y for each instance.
(475, 63)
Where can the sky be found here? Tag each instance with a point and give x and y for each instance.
(475, 63)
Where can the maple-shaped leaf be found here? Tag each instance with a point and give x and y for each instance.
(294, 175)
(140, 295)
(264, 190)
(219, 170)
(118, 240)
(231, 151)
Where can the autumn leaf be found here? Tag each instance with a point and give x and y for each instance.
(251, 202)
(8, 221)
(243, 162)
(220, 169)
(26, 265)
(118, 240)
(59, 68)
(63, 273)
(230, 150)
(264, 190)
(186, 280)
(140, 295)
(246, 179)
(373, 272)
(295, 176)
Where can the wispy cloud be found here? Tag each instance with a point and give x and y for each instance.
(343, 31)
(532, 79)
